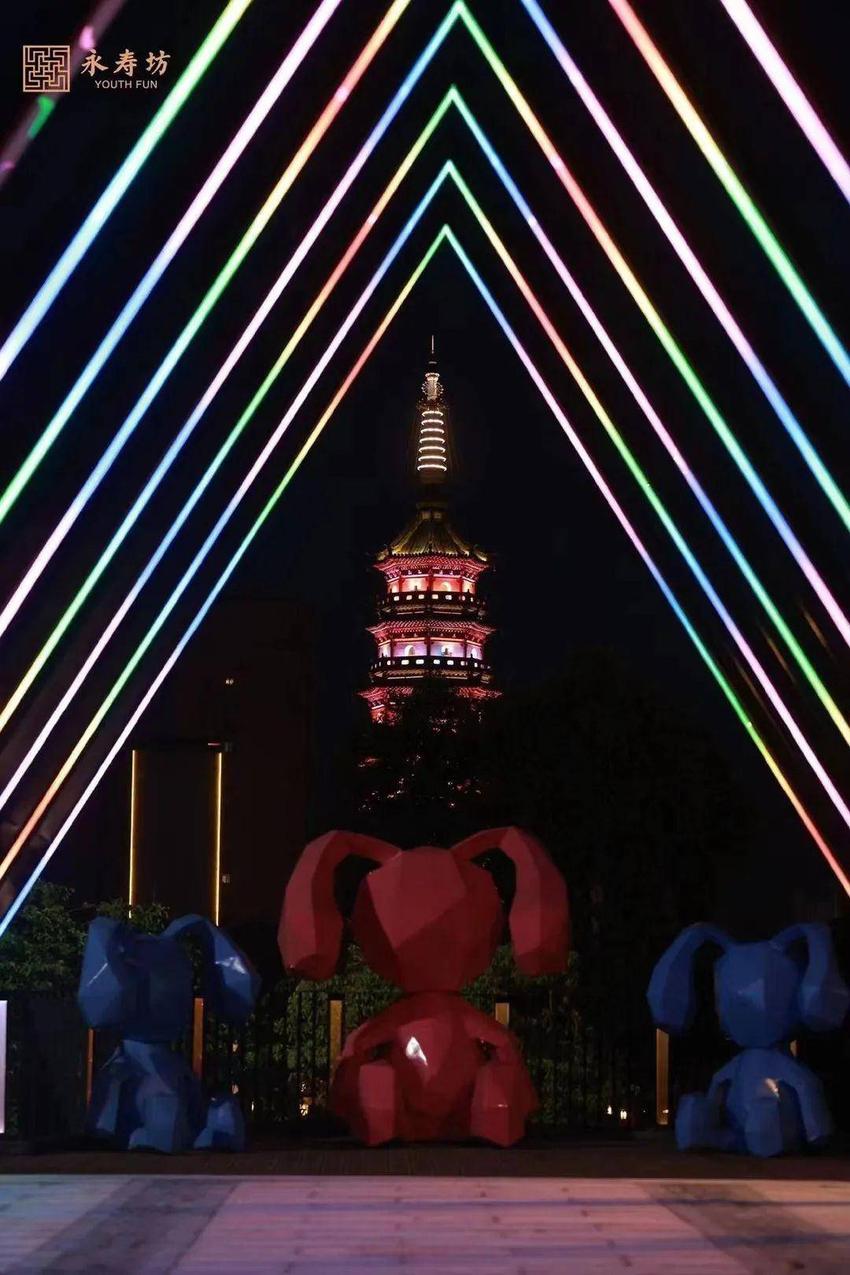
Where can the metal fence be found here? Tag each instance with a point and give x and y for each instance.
(281, 1061)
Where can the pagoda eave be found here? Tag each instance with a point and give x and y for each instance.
(431, 564)
(412, 628)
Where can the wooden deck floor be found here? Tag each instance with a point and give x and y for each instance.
(371, 1225)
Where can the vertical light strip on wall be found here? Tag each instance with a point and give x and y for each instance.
(779, 74)
(166, 367)
(663, 334)
(118, 186)
(219, 784)
(134, 779)
(170, 248)
(734, 188)
(692, 264)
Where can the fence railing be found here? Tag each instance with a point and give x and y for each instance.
(280, 1064)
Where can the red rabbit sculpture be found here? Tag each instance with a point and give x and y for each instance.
(428, 920)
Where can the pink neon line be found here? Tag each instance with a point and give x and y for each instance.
(789, 90)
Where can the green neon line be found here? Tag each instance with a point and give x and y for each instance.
(44, 106)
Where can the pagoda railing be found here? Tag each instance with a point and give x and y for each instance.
(454, 600)
(408, 664)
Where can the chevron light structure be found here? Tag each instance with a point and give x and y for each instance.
(449, 169)
(453, 97)
(120, 184)
(692, 264)
(595, 474)
(186, 224)
(780, 76)
(457, 11)
(460, 253)
(734, 188)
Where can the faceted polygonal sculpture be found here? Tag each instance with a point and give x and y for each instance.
(428, 920)
(764, 1101)
(140, 986)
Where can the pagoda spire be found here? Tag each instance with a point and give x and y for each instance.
(432, 445)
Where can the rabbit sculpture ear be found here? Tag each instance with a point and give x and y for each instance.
(671, 995)
(539, 918)
(824, 997)
(108, 979)
(310, 928)
(231, 984)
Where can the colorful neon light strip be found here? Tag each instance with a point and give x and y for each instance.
(792, 95)
(458, 10)
(655, 501)
(653, 318)
(548, 397)
(118, 186)
(690, 261)
(166, 367)
(217, 529)
(218, 175)
(734, 188)
(616, 357)
(247, 415)
(452, 97)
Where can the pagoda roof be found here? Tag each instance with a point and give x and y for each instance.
(430, 533)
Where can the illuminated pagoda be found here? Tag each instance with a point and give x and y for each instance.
(431, 628)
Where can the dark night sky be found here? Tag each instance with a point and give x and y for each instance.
(567, 578)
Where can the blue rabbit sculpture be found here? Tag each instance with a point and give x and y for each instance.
(764, 1101)
(140, 985)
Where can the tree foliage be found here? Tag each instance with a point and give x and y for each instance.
(42, 950)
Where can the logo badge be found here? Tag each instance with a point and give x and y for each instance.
(47, 68)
